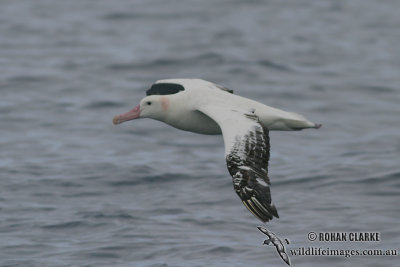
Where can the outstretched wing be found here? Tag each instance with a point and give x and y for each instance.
(247, 155)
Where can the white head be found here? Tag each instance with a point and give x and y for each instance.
(152, 106)
(157, 104)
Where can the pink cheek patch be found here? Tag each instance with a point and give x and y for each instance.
(164, 103)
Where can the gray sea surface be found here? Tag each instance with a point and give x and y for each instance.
(77, 191)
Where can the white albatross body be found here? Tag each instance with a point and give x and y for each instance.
(203, 107)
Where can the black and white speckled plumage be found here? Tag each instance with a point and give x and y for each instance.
(248, 165)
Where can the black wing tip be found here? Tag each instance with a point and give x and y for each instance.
(264, 214)
(263, 230)
(274, 211)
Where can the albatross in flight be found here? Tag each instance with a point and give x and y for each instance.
(203, 107)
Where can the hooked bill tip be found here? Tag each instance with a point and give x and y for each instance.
(116, 120)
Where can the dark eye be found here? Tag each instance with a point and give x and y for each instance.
(149, 103)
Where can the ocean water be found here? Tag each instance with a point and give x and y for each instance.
(77, 191)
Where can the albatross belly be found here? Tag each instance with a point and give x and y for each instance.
(195, 122)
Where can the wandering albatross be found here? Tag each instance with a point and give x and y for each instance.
(203, 107)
